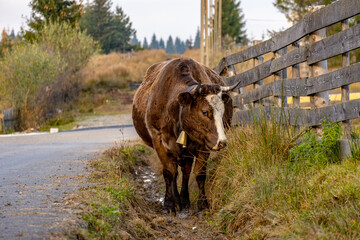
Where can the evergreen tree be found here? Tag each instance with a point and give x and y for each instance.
(295, 10)
(12, 34)
(161, 44)
(134, 40)
(183, 47)
(189, 43)
(44, 12)
(145, 43)
(178, 45)
(232, 21)
(111, 29)
(170, 48)
(197, 39)
(154, 42)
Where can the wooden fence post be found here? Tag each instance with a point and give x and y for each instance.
(295, 73)
(320, 99)
(280, 75)
(257, 61)
(345, 90)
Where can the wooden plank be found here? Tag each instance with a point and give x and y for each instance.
(280, 101)
(324, 17)
(329, 47)
(296, 56)
(251, 76)
(244, 55)
(345, 90)
(303, 87)
(302, 117)
(295, 73)
(337, 44)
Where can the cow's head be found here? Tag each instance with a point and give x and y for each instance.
(203, 114)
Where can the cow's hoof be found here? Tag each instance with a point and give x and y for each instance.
(169, 210)
(184, 206)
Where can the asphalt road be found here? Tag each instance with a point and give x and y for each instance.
(39, 171)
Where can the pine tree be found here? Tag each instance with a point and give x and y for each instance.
(96, 18)
(134, 40)
(178, 45)
(145, 43)
(197, 39)
(295, 10)
(161, 44)
(44, 12)
(12, 34)
(232, 21)
(189, 43)
(112, 29)
(170, 48)
(154, 42)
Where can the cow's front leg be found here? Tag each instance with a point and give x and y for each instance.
(186, 164)
(169, 162)
(200, 175)
(171, 194)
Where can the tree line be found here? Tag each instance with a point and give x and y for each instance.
(113, 29)
(171, 46)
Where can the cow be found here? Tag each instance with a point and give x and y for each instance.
(182, 98)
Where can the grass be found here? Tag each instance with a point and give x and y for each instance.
(279, 187)
(270, 182)
(112, 210)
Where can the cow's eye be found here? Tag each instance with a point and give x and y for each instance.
(205, 113)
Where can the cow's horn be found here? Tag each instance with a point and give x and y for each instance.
(229, 88)
(198, 88)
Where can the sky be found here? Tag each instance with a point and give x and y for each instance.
(178, 18)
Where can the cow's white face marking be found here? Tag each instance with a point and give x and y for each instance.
(217, 104)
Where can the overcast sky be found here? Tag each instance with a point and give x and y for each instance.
(163, 17)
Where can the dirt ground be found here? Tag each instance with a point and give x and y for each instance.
(150, 188)
(185, 225)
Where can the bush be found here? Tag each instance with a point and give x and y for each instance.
(26, 72)
(38, 78)
(319, 148)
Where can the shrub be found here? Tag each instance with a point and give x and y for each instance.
(37, 78)
(26, 71)
(319, 148)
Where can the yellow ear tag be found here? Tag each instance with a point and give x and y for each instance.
(182, 139)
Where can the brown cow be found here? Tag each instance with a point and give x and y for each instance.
(176, 96)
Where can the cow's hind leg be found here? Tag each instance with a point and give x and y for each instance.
(186, 164)
(200, 175)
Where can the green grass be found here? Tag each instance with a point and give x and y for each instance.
(112, 200)
(269, 184)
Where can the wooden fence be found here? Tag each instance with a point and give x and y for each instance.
(305, 43)
(8, 120)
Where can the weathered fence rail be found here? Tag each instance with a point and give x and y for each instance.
(314, 51)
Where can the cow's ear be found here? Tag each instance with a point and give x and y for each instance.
(225, 97)
(185, 98)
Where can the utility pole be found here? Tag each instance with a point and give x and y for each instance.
(210, 29)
